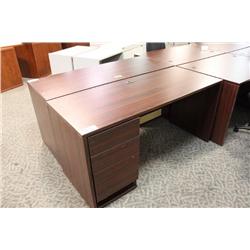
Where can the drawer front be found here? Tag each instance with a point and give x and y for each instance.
(113, 136)
(115, 168)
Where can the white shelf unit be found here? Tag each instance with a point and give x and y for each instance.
(62, 61)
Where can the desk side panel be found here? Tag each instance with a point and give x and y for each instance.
(42, 115)
(224, 112)
(41, 54)
(10, 71)
(73, 155)
(33, 58)
(26, 60)
(196, 113)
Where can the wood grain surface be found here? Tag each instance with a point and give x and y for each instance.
(82, 79)
(33, 58)
(116, 168)
(113, 136)
(71, 152)
(224, 112)
(10, 71)
(192, 52)
(95, 109)
(196, 113)
(43, 119)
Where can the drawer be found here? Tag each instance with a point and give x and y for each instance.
(113, 136)
(116, 168)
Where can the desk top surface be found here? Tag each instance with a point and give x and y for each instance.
(233, 67)
(193, 52)
(67, 83)
(243, 52)
(101, 107)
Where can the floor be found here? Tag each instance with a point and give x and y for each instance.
(176, 168)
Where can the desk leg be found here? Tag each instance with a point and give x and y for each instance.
(224, 112)
(196, 113)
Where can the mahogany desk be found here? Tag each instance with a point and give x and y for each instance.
(71, 82)
(96, 131)
(193, 52)
(64, 84)
(234, 69)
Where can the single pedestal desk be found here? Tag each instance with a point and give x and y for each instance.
(96, 131)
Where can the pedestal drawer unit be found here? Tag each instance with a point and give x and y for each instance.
(114, 158)
(115, 168)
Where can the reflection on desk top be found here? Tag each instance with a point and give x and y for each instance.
(63, 84)
(229, 67)
(226, 47)
(242, 52)
(193, 52)
(101, 107)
